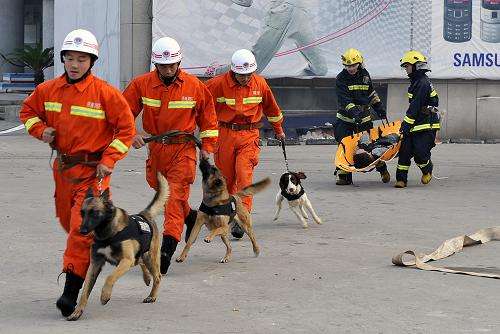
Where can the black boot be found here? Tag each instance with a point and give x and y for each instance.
(67, 302)
(168, 247)
(189, 221)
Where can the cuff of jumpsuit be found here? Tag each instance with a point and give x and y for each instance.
(108, 162)
(277, 129)
(208, 144)
(37, 130)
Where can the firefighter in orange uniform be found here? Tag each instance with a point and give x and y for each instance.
(241, 98)
(89, 124)
(171, 99)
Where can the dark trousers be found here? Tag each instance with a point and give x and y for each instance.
(343, 129)
(416, 145)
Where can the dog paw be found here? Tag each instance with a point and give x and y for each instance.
(224, 260)
(305, 226)
(149, 299)
(180, 259)
(207, 240)
(77, 313)
(275, 219)
(318, 221)
(105, 296)
(147, 279)
(256, 252)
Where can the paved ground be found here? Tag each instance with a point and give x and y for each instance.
(335, 278)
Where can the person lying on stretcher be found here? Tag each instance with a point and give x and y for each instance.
(368, 151)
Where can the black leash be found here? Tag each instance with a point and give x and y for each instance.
(282, 141)
(173, 133)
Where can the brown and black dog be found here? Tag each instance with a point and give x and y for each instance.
(218, 208)
(121, 240)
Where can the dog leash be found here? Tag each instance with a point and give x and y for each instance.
(282, 141)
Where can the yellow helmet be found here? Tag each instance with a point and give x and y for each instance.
(412, 57)
(351, 57)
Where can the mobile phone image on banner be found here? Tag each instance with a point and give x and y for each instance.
(490, 21)
(457, 26)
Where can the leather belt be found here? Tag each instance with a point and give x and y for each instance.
(173, 140)
(239, 127)
(86, 159)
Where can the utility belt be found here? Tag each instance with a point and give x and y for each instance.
(89, 159)
(240, 127)
(173, 140)
(174, 137)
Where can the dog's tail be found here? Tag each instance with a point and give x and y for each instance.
(255, 188)
(158, 203)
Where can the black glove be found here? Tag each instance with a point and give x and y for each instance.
(405, 128)
(381, 112)
(357, 114)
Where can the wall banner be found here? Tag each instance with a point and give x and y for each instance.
(305, 38)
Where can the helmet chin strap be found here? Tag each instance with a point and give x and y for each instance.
(233, 75)
(168, 80)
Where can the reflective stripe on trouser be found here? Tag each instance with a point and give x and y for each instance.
(236, 156)
(416, 145)
(177, 162)
(68, 200)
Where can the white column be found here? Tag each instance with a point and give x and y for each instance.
(102, 18)
(11, 30)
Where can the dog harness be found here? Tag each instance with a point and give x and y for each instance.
(228, 209)
(138, 228)
(291, 197)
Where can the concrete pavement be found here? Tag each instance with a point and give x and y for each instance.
(334, 278)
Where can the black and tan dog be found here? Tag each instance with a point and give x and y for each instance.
(218, 208)
(121, 240)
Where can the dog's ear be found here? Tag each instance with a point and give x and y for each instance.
(105, 195)
(301, 175)
(90, 193)
(204, 167)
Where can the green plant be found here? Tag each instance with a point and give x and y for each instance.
(35, 58)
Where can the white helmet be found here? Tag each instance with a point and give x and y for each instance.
(243, 62)
(166, 50)
(81, 40)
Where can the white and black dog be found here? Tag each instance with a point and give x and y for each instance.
(292, 190)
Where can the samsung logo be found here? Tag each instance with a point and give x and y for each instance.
(476, 60)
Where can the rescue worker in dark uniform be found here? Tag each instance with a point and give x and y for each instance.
(355, 95)
(421, 121)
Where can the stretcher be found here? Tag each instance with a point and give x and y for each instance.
(344, 157)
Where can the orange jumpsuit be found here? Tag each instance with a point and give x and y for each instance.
(182, 105)
(89, 116)
(237, 151)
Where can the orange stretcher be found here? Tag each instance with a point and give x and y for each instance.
(344, 158)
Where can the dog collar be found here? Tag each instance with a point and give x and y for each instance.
(291, 197)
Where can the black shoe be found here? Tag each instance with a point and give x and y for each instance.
(168, 247)
(67, 302)
(236, 230)
(344, 179)
(189, 221)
